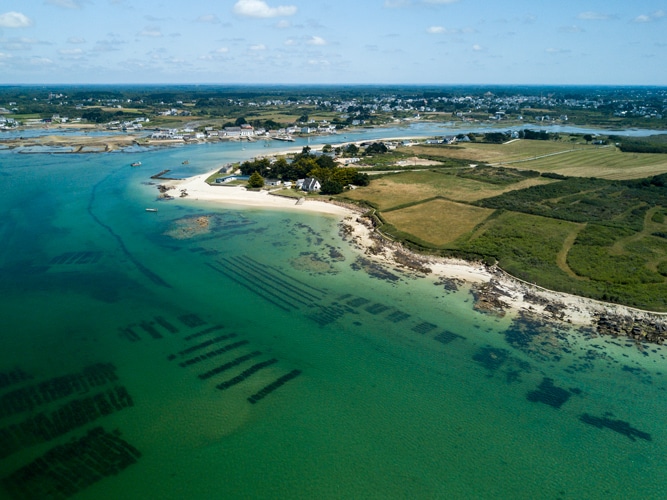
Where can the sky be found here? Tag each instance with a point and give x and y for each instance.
(564, 42)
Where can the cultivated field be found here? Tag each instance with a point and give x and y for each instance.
(605, 163)
(569, 216)
(396, 190)
(496, 153)
(563, 157)
(438, 222)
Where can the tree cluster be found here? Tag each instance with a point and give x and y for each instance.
(97, 115)
(534, 135)
(305, 164)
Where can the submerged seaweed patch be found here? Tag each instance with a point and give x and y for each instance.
(619, 426)
(539, 339)
(373, 269)
(312, 263)
(490, 357)
(549, 394)
(210, 225)
(493, 359)
(446, 337)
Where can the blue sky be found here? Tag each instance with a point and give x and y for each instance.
(614, 42)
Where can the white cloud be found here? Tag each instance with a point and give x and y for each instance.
(316, 40)
(70, 52)
(477, 48)
(283, 24)
(222, 50)
(571, 29)
(258, 47)
(553, 50)
(397, 4)
(290, 42)
(14, 20)
(594, 16)
(76, 40)
(107, 45)
(259, 8)
(151, 32)
(208, 18)
(19, 43)
(40, 61)
(67, 4)
(439, 30)
(647, 18)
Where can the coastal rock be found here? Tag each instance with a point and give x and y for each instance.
(642, 327)
(487, 299)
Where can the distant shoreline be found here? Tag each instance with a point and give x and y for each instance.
(103, 143)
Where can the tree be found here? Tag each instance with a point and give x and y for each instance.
(331, 187)
(326, 161)
(256, 180)
(352, 149)
(495, 137)
(327, 148)
(588, 138)
(361, 179)
(376, 148)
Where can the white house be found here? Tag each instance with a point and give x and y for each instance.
(232, 131)
(311, 184)
(247, 130)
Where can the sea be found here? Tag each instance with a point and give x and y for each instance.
(213, 351)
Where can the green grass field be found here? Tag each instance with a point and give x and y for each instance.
(578, 160)
(495, 153)
(396, 190)
(438, 222)
(605, 238)
(604, 163)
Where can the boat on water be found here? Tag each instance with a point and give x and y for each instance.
(185, 162)
(135, 164)
(286, 138)
(151, 210)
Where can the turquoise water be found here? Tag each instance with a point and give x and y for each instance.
(392, 386)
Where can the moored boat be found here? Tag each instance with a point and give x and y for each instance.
(286, 138)
(135, 164)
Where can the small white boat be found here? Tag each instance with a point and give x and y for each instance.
(135, 164)
(285, 138)
(151, 210)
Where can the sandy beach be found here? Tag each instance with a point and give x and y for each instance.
(496, 292)
(197, 189)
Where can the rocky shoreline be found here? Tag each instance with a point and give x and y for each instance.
(498, 293)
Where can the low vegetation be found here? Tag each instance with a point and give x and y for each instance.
(602, 236)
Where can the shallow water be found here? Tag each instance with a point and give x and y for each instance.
(398, 387)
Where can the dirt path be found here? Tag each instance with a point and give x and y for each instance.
(561, 258)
